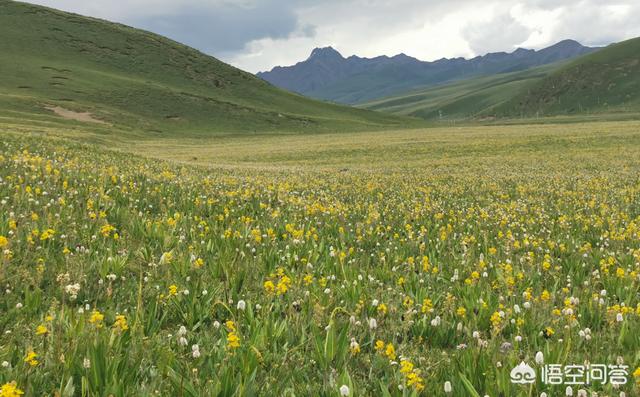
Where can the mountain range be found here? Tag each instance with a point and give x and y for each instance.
(327, 75)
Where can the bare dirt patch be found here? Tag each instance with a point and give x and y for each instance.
(71, 115)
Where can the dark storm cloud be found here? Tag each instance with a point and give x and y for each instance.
(259, 34)
(225, 28)
(215, 26)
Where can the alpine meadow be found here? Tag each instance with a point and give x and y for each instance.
(171, 225)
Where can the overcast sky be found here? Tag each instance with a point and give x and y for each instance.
(256, 35)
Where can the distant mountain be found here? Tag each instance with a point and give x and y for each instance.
(326, 74)
(607, 81)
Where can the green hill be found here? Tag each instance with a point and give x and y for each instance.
(62, 68)
(463, 100)
(607, 81)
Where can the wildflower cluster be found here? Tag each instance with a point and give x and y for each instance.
(132, 276)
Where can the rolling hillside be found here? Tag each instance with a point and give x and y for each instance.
(462, 100)
(67, 69)
(326, 74)
(607, 81)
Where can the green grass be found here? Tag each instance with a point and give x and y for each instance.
(441, 148)
(142, 83)
(463, 100)
(126, 249)
(607, 81)
(601, 85)
(530, 221)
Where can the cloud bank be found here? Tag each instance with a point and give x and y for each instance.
(256, 35)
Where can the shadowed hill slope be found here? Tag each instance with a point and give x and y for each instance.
(461, 100)
(607, 81)
(65, 68)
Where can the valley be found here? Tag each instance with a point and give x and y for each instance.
(172, 225)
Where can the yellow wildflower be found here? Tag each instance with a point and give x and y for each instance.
(379, 345)
(31, 358)
(406, 366)
(231, 325)
(166, 258)
(545, 296)
(548, 332)
(308, 279)
(121, 323)
(233, 340)
(283, 285)
(106, 230)
(390, 352)
(354, 347)
(47, 234)
(269, 287)
(414, 380)
(10, 390)
(96, 318)
(427, 306)
(496, 320)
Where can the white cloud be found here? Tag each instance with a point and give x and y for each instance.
(497, 31)
(430, 30)
(259, 34)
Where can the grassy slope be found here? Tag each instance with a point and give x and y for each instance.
(607, 81)
(365, 86)
(139, 81)
(461, 100)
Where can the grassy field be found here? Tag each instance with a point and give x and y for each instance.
(170, 225)
(466, 148)
(364, 263)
